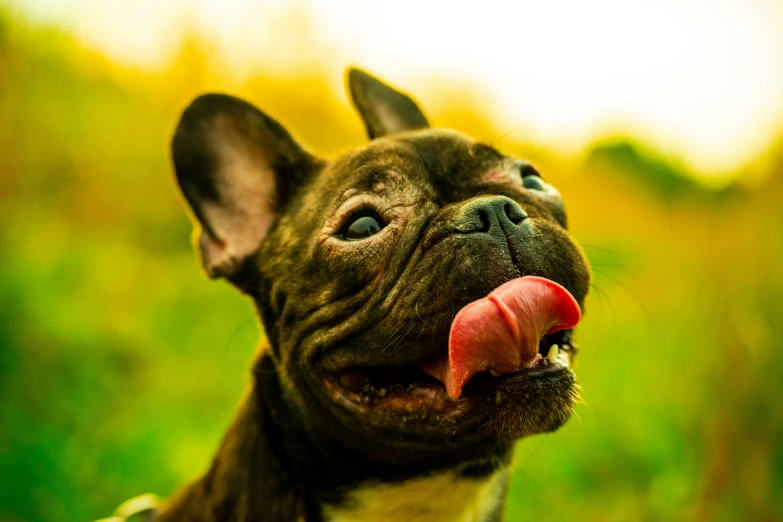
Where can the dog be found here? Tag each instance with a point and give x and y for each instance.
(418, 297)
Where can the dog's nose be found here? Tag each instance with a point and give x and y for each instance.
(492, 214)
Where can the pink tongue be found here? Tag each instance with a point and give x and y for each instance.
(500, 332)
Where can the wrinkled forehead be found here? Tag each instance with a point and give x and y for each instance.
(429, 162)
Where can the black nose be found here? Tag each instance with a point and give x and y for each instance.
(492, 214)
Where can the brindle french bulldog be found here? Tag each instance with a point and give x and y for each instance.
(418, 297)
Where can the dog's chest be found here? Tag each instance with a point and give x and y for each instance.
(443, 497)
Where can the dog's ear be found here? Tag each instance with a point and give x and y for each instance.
(237, 167)
(383, 109)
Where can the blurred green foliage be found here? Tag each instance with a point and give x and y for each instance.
(667, 179)
(121, 365)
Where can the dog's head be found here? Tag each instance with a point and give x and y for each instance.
(359, 266)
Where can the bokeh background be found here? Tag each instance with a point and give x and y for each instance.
(661, 123)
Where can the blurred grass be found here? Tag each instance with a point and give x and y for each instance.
(120, 364)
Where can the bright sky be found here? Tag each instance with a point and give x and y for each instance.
(701, 79)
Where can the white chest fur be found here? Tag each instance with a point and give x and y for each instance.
(441, 497)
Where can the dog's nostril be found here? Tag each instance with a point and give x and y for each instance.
(486, 222)
(514, 212)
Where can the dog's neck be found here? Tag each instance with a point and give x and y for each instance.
(268, 469)
(444, 496)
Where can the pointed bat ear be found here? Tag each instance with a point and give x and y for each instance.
(237, 168)
(383, 109)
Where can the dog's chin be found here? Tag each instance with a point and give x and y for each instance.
(393, 411)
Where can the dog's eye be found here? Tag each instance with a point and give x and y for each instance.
(362, 226)
(533, 183)
(531, 179)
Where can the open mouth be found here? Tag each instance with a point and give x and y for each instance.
(502, 347)
(409, 389)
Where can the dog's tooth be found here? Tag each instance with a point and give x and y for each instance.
(551, 355)
(495, 374)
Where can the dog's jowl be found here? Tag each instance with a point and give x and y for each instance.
(418, 297)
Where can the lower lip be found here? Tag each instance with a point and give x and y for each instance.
(541, 367)
(432, 396)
